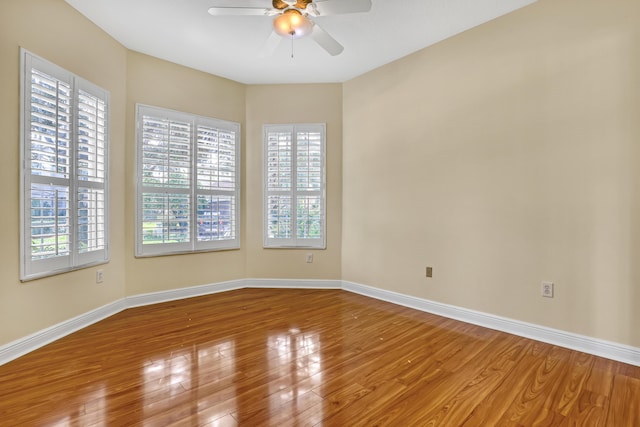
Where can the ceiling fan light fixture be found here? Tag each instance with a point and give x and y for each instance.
(292, 24)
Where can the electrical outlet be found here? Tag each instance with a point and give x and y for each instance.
(429, 272)
(546, 289)
(99, 276)
(309, 258)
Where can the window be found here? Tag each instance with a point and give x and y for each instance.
(64, 180)
(188, 183)
(294, 186)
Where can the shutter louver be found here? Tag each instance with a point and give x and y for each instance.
(166, 152)
(92, 224)
(279, 160)
(50, 126)
(50, 232)
(91, 138)
(279, 217)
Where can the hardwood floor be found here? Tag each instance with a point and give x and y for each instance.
(260, 357)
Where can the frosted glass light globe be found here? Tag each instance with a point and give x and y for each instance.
(292, 24)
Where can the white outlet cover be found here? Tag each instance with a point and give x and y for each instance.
(546, 289)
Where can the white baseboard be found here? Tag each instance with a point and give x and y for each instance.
(293, 283)
(610, 350)
(25, 345)
(182, 293)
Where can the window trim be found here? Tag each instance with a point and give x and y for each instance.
(193, 246)
(294, 242)
(31, 269)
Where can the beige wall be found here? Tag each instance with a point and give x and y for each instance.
(502, 157)
(273, 104)
(159, 83)
(58, 33)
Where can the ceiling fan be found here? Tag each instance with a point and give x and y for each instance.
(292, 19)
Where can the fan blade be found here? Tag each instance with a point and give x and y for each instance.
(325, 41)
(270, 45)
(240, 11)
(339, 7)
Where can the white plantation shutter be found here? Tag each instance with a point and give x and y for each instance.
(64, 183)
(49, 229)
(188, 182)
(294, 195)
(165, 182)
(217, 184)
(91, 173)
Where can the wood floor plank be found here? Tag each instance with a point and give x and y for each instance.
(356, 412)
(587, 411)
(580, 365)
(286, 357)
(600, 379)
(624, 410)
(534, 404)
(475, 382)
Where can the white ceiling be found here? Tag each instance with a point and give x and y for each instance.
(229, 46)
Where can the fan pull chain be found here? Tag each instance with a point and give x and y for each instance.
(291, 45)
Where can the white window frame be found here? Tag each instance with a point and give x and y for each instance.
(85, 170)
(192, 238)
(293, 239)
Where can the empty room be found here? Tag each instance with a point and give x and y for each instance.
(320, 213)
